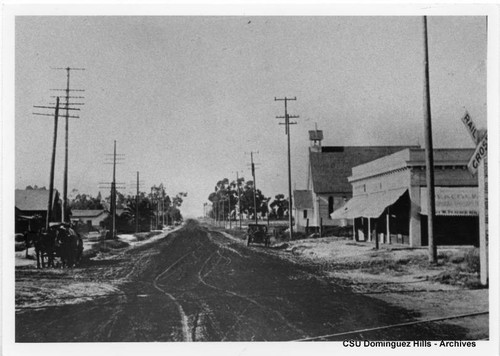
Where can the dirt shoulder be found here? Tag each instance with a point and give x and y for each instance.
(399, 275)
(100, 274)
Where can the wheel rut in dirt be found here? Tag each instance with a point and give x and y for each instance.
(198, 285)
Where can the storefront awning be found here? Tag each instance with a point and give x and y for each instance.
(452, 201)
(368, 206)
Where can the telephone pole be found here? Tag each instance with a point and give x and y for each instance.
(137, 206)
(67, 116)
(138, 183)
(114, 186)
(57, 107)
(162, 206)
(429, 154)
(113, 193)
(287, 124)
(52, 163)
(254, 185)
(239, 196)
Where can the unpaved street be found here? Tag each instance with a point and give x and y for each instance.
(198, 285)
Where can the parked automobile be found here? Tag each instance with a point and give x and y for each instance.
(258, 234)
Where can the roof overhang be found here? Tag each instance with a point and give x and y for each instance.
(368, 205)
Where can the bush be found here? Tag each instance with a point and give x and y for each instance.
(299, 235)
(141, 236)
(339, 231)
(457, 259)
(460, 278)
(153, 233)
(117, 244)
(472, 263)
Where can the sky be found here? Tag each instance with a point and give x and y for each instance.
(188, 97)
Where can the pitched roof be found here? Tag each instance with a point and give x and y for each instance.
(330, 168)
(33, 199)
(80, 213)
(302, 199)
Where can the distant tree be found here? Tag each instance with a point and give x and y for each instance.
(86, 202)
(162, 203)
(174, 214)
(178, 199)
(279, 206)
(225, 199)
(247, 201)
(146, 212)
(35, 187)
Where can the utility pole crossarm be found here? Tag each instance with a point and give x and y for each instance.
(285, 99)
(80, 90)
(69, 116)
(52, 107)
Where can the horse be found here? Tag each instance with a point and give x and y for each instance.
(45, 246)
(59, 241)
(69, 246)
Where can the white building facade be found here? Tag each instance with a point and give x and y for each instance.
(390, 199)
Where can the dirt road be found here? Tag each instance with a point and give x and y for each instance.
(198, 285)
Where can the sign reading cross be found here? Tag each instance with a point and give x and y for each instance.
(480, 139)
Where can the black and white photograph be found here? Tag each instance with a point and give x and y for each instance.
(245, 176)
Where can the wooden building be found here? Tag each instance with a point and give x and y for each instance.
(329, 167)
(31, 209)
(390, 199)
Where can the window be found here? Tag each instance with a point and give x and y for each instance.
(330, 206)
(305, 214)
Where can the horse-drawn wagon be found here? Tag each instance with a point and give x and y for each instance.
(59, 241)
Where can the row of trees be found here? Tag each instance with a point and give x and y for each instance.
(155, 209)
(231, 197)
